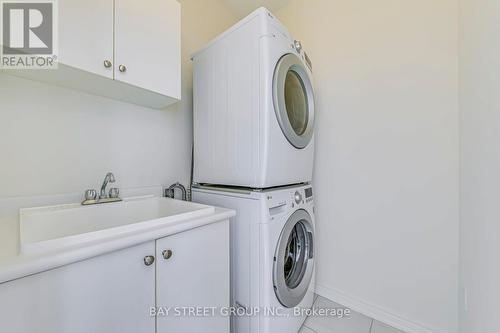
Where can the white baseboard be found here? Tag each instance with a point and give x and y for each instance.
(374, 311)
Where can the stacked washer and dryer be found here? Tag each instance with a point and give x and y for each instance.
(253, 152)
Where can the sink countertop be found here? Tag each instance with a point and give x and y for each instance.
(14, 265)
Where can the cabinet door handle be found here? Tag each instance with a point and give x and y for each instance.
(107, 63)
(167, 254)
(122, 68)
(149, 260)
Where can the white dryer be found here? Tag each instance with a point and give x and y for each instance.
(253, 107)
(272, 255)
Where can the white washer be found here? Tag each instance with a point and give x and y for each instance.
(272, 255)
(253, 107)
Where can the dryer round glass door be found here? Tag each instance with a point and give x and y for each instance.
(294, 259)
(294, 100)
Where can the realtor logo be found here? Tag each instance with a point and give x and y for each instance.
(28, 34)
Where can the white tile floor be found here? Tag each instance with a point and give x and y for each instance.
(355, 323)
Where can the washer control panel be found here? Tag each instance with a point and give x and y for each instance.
(302, 196)
(297, 197)
(309, 194)
(289, 198)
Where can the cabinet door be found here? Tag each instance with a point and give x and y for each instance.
(86, 35)
(106, 294)
(147, 44)
(194, 278)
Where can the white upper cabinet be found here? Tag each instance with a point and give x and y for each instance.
(127, 50)
(86, 35)
(148, 45)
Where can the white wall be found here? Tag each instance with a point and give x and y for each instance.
(480, 165)
(59, 141)
(386, 168)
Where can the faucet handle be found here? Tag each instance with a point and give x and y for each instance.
(114, 192)
(90, 194)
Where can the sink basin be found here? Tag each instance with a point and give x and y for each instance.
(55, 227)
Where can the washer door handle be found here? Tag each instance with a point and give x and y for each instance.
(311, 244)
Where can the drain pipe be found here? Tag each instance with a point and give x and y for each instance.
(170, 192)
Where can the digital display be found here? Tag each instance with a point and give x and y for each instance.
(309, 192)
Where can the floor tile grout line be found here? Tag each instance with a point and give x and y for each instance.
(305, 325)
(316, 299)
(310, 328)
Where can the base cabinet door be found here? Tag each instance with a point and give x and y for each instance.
(192, 280)
(111, 293)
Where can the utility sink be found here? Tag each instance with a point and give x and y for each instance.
(53, 228)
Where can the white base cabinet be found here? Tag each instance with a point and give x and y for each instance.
(114, 292)
(194, 281)
(109, 293)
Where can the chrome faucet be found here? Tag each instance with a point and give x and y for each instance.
(110, 178)
(91, 197)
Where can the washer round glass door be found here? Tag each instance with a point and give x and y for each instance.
(294, 259)
(294, 100)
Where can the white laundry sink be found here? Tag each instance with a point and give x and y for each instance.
(53, 228)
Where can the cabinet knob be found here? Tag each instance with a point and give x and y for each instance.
(167, 254)
(122, 68)
(149, 260)
(107, 64)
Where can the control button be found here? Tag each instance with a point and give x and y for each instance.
(298, 197)
(298, 45)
